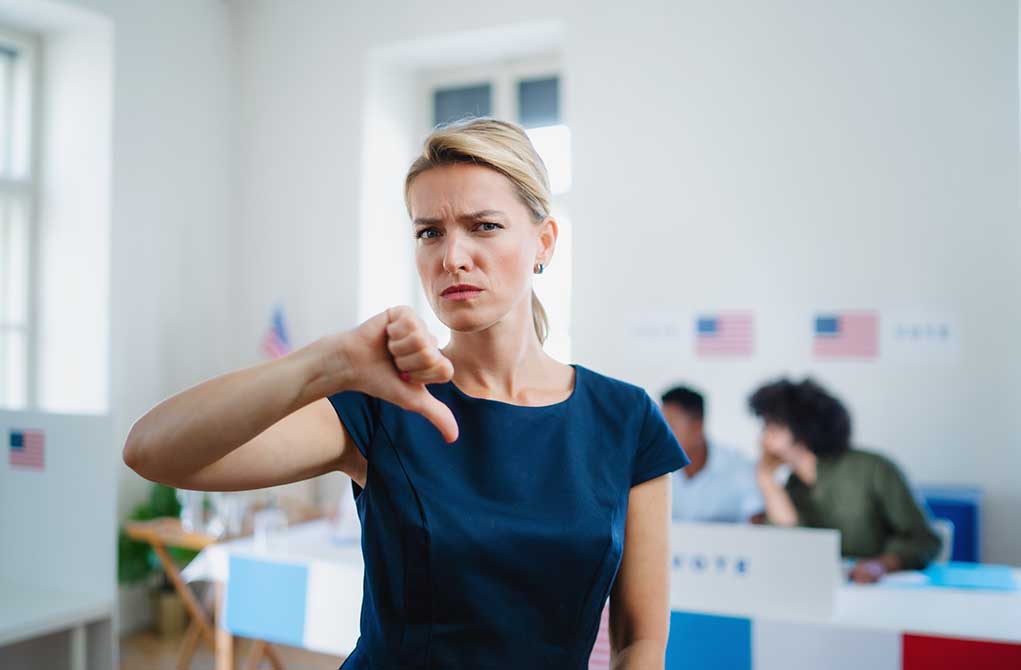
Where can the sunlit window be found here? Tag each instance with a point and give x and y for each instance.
(17, 191)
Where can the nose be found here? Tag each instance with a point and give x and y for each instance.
(455, 255)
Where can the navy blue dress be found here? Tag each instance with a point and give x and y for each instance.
(497, 551)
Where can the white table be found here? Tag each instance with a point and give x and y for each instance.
(30, 612)
(878, 626)
(967, 613)
(869, 623)
(328, 571)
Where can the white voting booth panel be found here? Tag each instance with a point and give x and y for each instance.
(754, 570)
(58, 545)
(762, 598)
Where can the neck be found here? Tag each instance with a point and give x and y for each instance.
(501, 360)
(804, 464)
(698, 452)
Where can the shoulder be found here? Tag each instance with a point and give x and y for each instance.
(612, 388)
(729, 457)
(621, 405)
(866, 457)
(616, 404)
(869, 464)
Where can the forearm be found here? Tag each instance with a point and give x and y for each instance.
(913, 552)
(779, 509)
(640, 655)
(200, 425)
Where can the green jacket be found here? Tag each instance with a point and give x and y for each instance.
(867, 498)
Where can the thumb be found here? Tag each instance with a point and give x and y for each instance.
(436, 413)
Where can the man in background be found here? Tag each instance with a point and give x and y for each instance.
(719, 484)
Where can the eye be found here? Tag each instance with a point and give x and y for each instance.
(422, 233)
(496, 226)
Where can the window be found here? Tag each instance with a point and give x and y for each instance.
(528, 93)
(17, 232)
(453, 103)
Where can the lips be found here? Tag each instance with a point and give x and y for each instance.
(460, 289)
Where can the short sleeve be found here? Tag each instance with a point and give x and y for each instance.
(911, 538)
(359, 412)
(658, 452)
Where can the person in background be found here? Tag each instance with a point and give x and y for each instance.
(862, 494)
(719, 484)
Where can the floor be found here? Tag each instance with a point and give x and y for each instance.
(148, 651)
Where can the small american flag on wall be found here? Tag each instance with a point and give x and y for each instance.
(26, 449)
(275, 343)
(726, 334)
(846, 335)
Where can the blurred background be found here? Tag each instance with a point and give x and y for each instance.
(194, 186)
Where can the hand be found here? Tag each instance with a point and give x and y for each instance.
(765, 468)
(868, 571)
(392, 356)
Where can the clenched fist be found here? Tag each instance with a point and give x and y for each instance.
(393, 357)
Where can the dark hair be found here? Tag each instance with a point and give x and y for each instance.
(689, 400)
(815, 418)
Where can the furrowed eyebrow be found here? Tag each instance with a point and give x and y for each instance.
(472, 216)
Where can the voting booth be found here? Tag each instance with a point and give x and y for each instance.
(57, 541)
(745, 597)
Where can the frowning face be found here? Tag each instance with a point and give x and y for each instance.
(476, 244)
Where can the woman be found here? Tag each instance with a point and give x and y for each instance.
(860, 493)
(493, 536)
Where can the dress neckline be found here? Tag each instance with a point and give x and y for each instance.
(565, 401)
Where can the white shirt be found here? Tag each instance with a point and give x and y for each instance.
(723, 490)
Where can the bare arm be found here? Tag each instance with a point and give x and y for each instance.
(780, 510)
(261, 426)
(272, 423)
(640, 599)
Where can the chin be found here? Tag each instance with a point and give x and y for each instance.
(468, 321)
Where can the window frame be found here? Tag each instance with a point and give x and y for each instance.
(25, 188)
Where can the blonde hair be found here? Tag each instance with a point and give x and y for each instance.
(501, 146)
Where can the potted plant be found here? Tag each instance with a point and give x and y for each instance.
(138, 563)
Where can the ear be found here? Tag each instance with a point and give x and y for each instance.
(549, 230)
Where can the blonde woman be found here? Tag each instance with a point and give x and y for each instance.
(503, 495)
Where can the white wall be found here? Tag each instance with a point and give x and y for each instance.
(173, 191)
(74, 218)
(779, 157)
(167, 241)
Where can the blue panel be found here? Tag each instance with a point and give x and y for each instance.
(266, 600)
(451, 104)
(707, 642)
(962, 506)
(539, 102)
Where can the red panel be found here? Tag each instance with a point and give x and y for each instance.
(922, 652)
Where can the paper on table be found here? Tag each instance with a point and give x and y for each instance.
(972, 576)
(956, 575)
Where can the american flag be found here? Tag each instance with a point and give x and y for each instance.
(27, 448)
(275, 343)
(600, 658)
(846, 335)
(730, 334)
